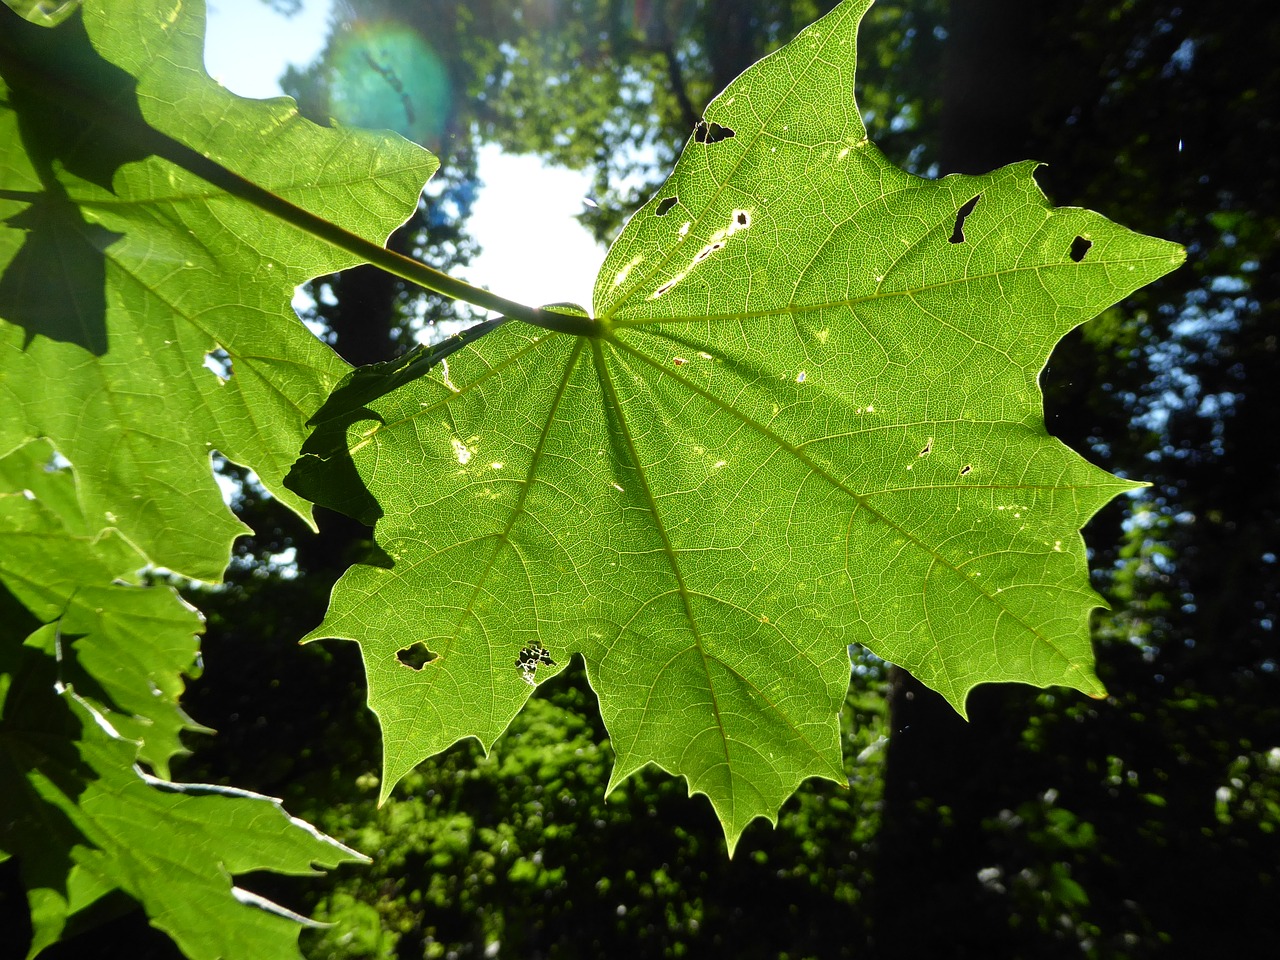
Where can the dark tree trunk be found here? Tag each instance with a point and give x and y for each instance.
(944, 776)
(990, 93)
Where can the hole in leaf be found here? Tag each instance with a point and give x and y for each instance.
(742, 218)
(927, 449)
(708, 250)
(664, 207)
(665, 287)
(966, 470)
(1079, 247)
(957, 235)
(219, 361)
(706, 132)
(530, 658)
(416, 656)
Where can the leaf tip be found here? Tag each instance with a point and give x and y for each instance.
(733, 832)
(731, 842)
(1090, 685)
(388, 782)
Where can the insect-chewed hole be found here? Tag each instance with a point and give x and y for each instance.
(664, 206)
(708, 250)
(530, 658)
(711, 132)
(957, 235)
(926, 449)
(416, 656)
(966, 470)
(1079, 247)
(219, 361)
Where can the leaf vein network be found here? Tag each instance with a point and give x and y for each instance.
(748, 615)
(468, 387)
(852, 301)
(611, 392)
(861, 501)
(501, 539)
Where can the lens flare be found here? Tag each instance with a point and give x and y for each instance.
(386, 76)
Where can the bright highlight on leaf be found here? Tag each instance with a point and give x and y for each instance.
(808, 416)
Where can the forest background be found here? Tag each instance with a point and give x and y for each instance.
(1049, 824)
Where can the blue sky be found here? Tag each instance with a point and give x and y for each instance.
(548, 258)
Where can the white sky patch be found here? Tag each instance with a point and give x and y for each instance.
(534, 251)
(248, 45)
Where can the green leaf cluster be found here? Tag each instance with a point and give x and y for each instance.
(145, 324)
(88, 700)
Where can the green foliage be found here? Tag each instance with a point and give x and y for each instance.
(91, 692)
(132, 644)
(159, 269)
(522, 848)
(803, 415)
(122, 271)
(806, 416)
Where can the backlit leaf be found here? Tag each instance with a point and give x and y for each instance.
(87, 696)
(125, 647)
(123, 275)
(809, 417)
(145, 323)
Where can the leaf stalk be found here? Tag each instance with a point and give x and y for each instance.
(140, 134)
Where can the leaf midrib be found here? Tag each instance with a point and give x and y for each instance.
(851, 302)
(686, 595)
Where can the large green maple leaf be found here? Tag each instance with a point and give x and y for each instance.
(806, 415)
(122, 270)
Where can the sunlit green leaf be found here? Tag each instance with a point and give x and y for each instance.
(123, 275)
(84, 822)
(123, 646)
(810, 418)
(145, 322)
(86, 697)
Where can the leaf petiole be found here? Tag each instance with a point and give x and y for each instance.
(35, 75)
(396, 264)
